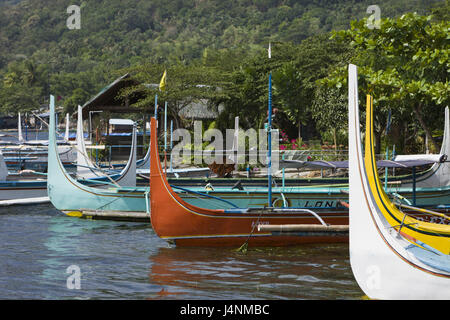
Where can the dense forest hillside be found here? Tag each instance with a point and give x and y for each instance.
(121, 33)
(40, 54)
(126, 31)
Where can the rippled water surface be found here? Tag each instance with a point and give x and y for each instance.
(126, 260)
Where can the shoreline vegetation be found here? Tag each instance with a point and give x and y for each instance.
(223, 45)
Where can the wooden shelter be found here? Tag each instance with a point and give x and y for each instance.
(108, 98)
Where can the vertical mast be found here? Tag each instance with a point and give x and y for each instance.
(269, 138)
(165, 126)
(171, 143)
(156, 107)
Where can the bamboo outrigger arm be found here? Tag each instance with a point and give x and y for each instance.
(303, 228)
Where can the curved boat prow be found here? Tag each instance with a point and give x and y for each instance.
(175, 220)
(439, 174)
(387, 263)
(3, 168)
(83, 162)
(163, 199)
(441, 171)
(69, 195)
(66, 134)
(126, 178)
(128, 174)
(145, 162)
(19, 129)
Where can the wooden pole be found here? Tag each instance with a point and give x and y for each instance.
(303, 227)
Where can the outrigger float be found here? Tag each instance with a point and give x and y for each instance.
(393, 254)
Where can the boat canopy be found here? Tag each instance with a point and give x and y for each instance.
(322, 164)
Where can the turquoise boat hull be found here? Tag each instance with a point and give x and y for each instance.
(304, 197)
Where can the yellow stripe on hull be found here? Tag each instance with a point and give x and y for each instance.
(434, 235)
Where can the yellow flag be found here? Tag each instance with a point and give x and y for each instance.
(162, 83)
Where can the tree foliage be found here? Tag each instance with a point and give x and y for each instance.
(217, 50)
(404, 64)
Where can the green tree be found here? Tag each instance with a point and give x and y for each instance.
(21, 87)
(296, 80)
(404, 64)
(185, 84)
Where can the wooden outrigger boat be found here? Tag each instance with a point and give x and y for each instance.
(87, 171)
(438, 176)
(78, 199)
(33, 185)
(75, 198)
(85, 165)
(32, 154)
(16, 187)
(393, 255)
(177, 221)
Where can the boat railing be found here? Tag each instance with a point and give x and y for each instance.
(422, 210)
(400, 197)
(96, 181)
(282, 210)
(414, 210)
(278, 210)
(102, 170)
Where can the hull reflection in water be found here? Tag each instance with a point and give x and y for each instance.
(307, 272)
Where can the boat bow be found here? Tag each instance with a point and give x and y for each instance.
(382, 257)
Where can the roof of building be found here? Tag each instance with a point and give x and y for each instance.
(107, 100)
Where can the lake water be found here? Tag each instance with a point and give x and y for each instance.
(42, 250)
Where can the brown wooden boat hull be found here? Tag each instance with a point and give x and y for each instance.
(186, 225)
